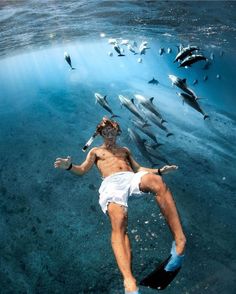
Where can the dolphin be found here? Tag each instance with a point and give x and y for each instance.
(153, 81)
(191, 101)
(68, 59)
(156, 121)
(184, 52)
(140, 143)
(148, 104)
(207, 65)
(131, 49)
(129, 104)
(205, 78)
(181, 83)
(146, 131)
(189, 60)
(161, 51)
(195, 82)
(143, 47)
(142, 50)
(180, 47)
(103, 102)
(160, 157)
(118, 50)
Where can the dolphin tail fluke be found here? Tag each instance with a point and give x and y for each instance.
(135, 53)
(114, 115)
(206, 116)
(72, 68)
(163, 121)
(169, 134)
(121, 55)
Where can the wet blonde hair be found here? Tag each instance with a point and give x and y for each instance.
(107, 122)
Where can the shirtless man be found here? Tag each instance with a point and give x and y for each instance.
(123, 176)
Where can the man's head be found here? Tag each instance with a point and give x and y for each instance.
(108, 128)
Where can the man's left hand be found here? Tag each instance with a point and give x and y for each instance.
(167, 168)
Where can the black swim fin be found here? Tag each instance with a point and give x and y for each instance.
(159, 279)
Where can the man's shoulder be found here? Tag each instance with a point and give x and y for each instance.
(96, 149)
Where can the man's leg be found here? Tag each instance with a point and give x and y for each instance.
(154, 183)
(120, 244)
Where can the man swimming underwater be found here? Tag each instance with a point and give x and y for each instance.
(122, 177)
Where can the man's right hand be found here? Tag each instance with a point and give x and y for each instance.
(63, 163)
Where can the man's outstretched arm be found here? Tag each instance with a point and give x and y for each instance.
(137, 167)
(66, 163)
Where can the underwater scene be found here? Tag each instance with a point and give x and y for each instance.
(164, 70)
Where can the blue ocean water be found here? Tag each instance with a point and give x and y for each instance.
(54, 236)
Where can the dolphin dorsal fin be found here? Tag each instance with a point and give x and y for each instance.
(132, 100)
(184, 81)
(105, 97)
(151, 99)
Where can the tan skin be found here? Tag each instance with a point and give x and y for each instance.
(109, 159)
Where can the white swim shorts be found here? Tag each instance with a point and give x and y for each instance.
(118, 187)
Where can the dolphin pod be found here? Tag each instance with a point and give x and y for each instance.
(145, 109)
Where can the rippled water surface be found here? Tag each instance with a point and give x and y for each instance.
(32, 24)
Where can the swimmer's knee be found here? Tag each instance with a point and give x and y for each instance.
(118, 216)
(153, 183)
